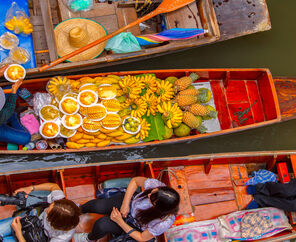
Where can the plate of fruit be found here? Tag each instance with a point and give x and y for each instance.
(131, 125)
(14, 72)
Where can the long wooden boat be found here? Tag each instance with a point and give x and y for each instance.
(45, 15)
(244, 99)
(210, 185)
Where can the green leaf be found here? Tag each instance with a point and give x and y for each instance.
(157, 127)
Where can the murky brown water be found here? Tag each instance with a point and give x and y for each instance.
(274, 49)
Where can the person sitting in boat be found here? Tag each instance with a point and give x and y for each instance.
(60, 218)
(273, 194)
(15, 133)
(151, 212)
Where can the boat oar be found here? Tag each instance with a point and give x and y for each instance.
(165, 7)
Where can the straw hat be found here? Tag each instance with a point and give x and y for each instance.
(75, 33)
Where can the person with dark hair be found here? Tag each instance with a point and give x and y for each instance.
(59, 219)
(151, 212)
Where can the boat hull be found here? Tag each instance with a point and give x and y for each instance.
(235, 93)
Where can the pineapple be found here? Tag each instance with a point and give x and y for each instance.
(190, 120)
(184, 82)
(186, 100)
(198, 109)
(194, 122)
(191, 91)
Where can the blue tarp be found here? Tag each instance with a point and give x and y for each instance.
(24, 41)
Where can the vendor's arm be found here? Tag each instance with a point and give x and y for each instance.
(17, 227)
(138, 236)
(132, 187)
(41, 187)
(10, 102)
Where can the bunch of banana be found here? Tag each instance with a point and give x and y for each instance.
(57, 85)
(130, 86)
(138, 107)
(171, 115)
(152, 101)
(165, 91)
(144, 131)
(148, 81)
(19, 25)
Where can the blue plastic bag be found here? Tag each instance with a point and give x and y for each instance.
(123, 43)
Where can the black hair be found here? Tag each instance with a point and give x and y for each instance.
(165, 202)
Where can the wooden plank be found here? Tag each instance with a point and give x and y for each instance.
(221, 104)
(239, 173)
(241, 17)
(218, 177)
(126, 16)
(216, 186)
(100, 9)
(211, 195)
(214, 210)
(293, 163)
(65, 13)
(80, 192)
(179, 183)
(286, 91)
(255, 101)
(106, 20)
(48, 26)
(186, 17)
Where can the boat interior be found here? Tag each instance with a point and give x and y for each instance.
(244, 98)
(112, 15)
(209, 185)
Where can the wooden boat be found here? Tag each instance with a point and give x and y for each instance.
(210, 185)
(244, 99)
(47, 14)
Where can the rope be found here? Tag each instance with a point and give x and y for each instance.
(159, 177)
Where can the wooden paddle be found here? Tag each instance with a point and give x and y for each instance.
(165, 7)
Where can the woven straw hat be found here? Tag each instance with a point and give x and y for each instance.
(74, 33)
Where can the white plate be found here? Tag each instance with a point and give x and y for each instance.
(11, 80)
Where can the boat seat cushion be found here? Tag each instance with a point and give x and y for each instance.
(118, 182)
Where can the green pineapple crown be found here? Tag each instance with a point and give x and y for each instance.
(193, 76)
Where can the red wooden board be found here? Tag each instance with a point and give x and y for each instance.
(255, 101)
(180, 184)
(267, 94)
(236, 92)
(214, 210)
(209, 188)
(221, 104)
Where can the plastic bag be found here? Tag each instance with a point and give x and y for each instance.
(19, 55)
(79, 5)
(41, 99)
(8, 41)
(123, 43)
(17, 21)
